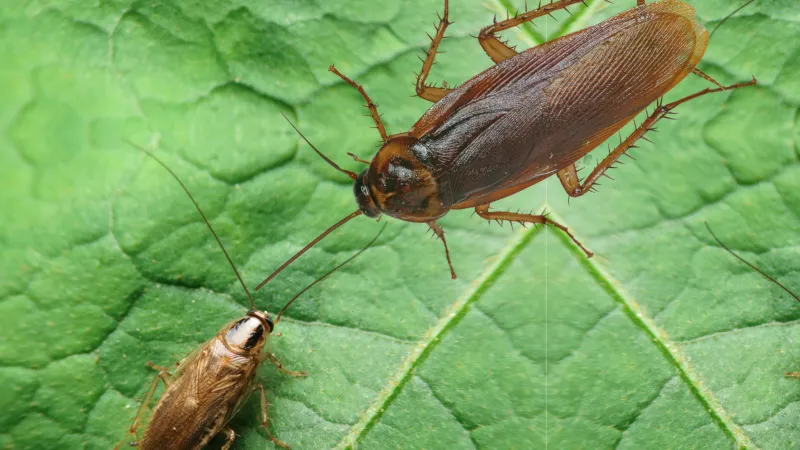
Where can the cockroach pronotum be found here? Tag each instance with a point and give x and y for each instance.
(214, 381)
(530, 116)
(763, 274)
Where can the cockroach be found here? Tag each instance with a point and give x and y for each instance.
(530, 116)
(213, 382)
(763, 274)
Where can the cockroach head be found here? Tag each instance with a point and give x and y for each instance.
(248, 334)
(400, 182)
(364, 198)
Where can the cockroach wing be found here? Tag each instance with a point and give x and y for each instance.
(197, 404)
(538, 112)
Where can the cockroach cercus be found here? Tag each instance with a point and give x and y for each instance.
(763, 274)
(532, 115)
(212, 383)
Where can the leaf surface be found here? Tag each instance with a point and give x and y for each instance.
(662, 340)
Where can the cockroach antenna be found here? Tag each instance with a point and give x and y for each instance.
(205, 219)
(350, 174)
(310, 244)
(796, 297)
(363, 249)
(326, 232)
(725, 19)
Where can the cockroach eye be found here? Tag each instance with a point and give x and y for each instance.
(270, 323)
(363, 198)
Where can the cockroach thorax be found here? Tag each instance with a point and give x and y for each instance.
(248, 334)
(401, 183)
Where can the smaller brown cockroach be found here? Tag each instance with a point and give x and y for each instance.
(532, 115)
(213, 382)
(763, 274)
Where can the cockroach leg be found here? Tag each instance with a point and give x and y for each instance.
(706, 77)
(440, 234)
(575, 188)
(122, 442)
(792, 375)
(130, 444)
(428, 92)
(265, 418)
(164, 376)
(356, 158)
(373, 108)
(483, 211)
(278, 364)
(499, 51)
(162, 369)
(230, 436)
(568, 177)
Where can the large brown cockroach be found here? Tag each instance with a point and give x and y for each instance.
(214, 381)
(530, 116)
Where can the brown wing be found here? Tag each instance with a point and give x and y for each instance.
(537, 112)
(198, 403)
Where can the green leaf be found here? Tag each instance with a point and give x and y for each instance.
(662, 340)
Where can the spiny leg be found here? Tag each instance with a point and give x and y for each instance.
(568, 177)
(430, 92)
(357, 159)
(483, 211)
(792, 374)
(440, 233)
(164, 376)
(265, 418)
(707, 77)
(373, 108)
(161, 369)
(278, 364)
(499, 51)
(230, 435)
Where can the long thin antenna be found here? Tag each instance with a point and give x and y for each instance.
(352, 175)
(728, 17)
(310, 244)
(750, 265)
(205, 219)
(280, 314)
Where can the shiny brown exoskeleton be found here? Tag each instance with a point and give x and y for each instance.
(530, 116)
(212, 383)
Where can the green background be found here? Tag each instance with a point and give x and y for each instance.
(662, 340)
